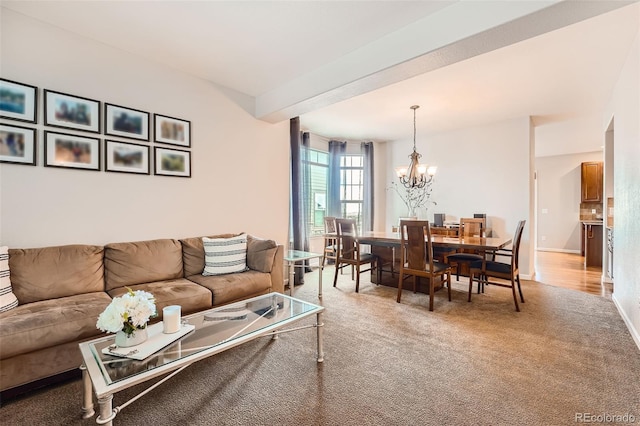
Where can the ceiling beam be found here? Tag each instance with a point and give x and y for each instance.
(460, 31)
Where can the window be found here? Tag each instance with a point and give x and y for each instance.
(316, 196)
(352, 187)
(315, 193)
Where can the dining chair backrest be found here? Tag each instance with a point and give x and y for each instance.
(329, 225)
(471, 227)
(347, 233)
(482, 216)
(415, 241)
(516, 244)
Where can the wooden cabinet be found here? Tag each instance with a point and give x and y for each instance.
(592, 244)
(592, 182)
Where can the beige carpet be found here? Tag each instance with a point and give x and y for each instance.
(478, 363)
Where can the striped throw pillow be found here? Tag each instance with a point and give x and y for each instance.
(8, 300)
(225, 255)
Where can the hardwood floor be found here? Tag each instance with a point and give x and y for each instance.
(568, 271)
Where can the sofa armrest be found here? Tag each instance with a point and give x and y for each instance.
(277, 271)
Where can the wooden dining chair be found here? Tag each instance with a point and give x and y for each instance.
(469, 227)
(349, 254)
(416, 251)
(330, 240)
(481, 270)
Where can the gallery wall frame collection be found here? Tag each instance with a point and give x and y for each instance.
(19, 144)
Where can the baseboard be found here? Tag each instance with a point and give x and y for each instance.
(634, 333)
(557, 250)
(23, 390)
(528, 277)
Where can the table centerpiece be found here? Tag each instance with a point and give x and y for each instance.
(127, 316)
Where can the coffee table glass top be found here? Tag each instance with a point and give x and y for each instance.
(297, 255)
(217, 328)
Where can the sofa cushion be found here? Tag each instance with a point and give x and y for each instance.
(128, 264)
(193, 253)
(260, 253)
(47, 323)
(52, 272)
(231, 287)
(8, 300)
(225, 255)
(191, 297)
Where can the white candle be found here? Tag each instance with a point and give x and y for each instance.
(171, 319)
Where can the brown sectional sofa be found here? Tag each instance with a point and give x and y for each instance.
(62, 290)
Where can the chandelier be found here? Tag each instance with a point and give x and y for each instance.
(416, 175)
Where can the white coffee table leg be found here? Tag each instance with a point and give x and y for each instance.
(106, 411)
(87, 397)
(319, 327)
(320, 281)
(291, 277)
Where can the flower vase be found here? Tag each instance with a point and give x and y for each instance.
(124, 340)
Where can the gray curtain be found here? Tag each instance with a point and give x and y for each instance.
(299, 177)
(367, 208)
(336, 150)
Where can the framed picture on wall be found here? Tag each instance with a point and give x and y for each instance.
(173, 131)
(172, 162)
(71, 112)
(71, 151)
(126, 157)
(18, 101)
(17, 145)
(126, 122)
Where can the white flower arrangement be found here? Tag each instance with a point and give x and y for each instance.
(128, 312)
(414, 198)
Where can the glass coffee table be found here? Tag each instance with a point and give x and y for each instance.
(210, 332)
(292, 257)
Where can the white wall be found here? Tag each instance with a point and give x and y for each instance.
(625, 109)
(484, 169)
(568, 135)
(240, 166)
(559, 186)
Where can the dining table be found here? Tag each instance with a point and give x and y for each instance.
(384, 245)
(392, 239)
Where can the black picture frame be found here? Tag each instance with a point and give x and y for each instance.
(71, 112)
(18, 145)
(171, 130)
(126, 122)
(172, 162)
(126, 157)
(18, 101)
(71, 151)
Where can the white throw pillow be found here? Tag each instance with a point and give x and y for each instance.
(8, 300)
(225, 255)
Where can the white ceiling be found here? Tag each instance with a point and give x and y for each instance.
(351, 69)
(557, 76)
